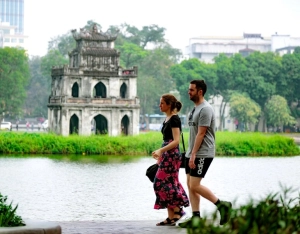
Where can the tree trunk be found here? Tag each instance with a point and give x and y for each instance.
(221, 113)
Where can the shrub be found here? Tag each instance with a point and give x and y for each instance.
(274, 214)
(8, 217)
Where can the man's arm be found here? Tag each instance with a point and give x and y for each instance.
(198, 141)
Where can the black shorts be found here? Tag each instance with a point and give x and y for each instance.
(202, 165)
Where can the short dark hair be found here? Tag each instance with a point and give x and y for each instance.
(200, 85)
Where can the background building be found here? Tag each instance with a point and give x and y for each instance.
(206, 48)
(12, 23)
(93, 94)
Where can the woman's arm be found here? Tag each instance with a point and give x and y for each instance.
(176, 138)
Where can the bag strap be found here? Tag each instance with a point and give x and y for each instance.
(182, 142)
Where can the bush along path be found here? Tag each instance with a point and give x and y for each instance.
(8, 217)
(227, 144)
(275, 214)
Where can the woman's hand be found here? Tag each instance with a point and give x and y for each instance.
(156, 154)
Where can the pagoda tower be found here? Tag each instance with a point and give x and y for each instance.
(93, 94)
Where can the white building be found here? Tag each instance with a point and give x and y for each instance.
(12, 24)
(207, 47)
(229, 123)
(9, 37)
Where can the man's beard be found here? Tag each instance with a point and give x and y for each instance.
(194, 98)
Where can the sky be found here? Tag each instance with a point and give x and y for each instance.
(45, 19)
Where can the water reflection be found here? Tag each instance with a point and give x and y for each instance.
(65, 188)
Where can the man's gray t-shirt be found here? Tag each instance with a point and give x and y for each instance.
(203, 115)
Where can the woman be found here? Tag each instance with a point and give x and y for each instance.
(168, 190)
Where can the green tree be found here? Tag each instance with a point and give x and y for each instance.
(288, 84)
(64, 44)
(263, 72)
(149, 94)
(260, 83)
(278, 112)
(154, 68)
(231, 73)
(152, 34)
(189, 70)
(52, 58)
(14, 77)
(131, 54)
(224, 84)
(244, 109)
(38, 90)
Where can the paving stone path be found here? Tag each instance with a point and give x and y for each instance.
(117, 227)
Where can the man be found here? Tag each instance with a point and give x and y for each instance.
(200, 153)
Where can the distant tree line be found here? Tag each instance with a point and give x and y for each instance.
(261, 86)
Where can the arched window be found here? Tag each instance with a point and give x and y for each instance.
(99, 90)
(123, 91)
(125, 125)
(75, 90)
(100, 125)
(74, 124)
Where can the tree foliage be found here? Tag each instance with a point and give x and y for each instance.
(64, 44)
(152, 34)
(38, 89)
(244, 109)
(189, 70)
(131, 54)
(263, 72)
(289, 83)
(14, 76)
(260, 75)
(278, 112)
(52, 58)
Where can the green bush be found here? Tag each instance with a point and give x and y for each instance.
(227, 144)
(8, 217)
(273, 215)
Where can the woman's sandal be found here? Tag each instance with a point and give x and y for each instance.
(179, 213)
(167, 222)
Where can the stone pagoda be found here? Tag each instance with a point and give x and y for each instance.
(93, 94)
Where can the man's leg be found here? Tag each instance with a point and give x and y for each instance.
(194, 197)
(195, 203)
(223, 206)
(197, 188)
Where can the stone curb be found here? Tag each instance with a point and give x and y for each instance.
(118, 227)
(33, 227)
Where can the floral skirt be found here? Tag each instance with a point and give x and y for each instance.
(168, 190)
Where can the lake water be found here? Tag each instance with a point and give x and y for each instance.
(107, 188)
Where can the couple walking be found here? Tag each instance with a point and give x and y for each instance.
(201, 151)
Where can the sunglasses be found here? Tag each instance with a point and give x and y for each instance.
(191, 114)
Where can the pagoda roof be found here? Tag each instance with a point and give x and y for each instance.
(92, 35)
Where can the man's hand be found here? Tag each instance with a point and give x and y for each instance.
(192, 161)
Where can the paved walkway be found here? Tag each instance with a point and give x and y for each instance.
(117, 227)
